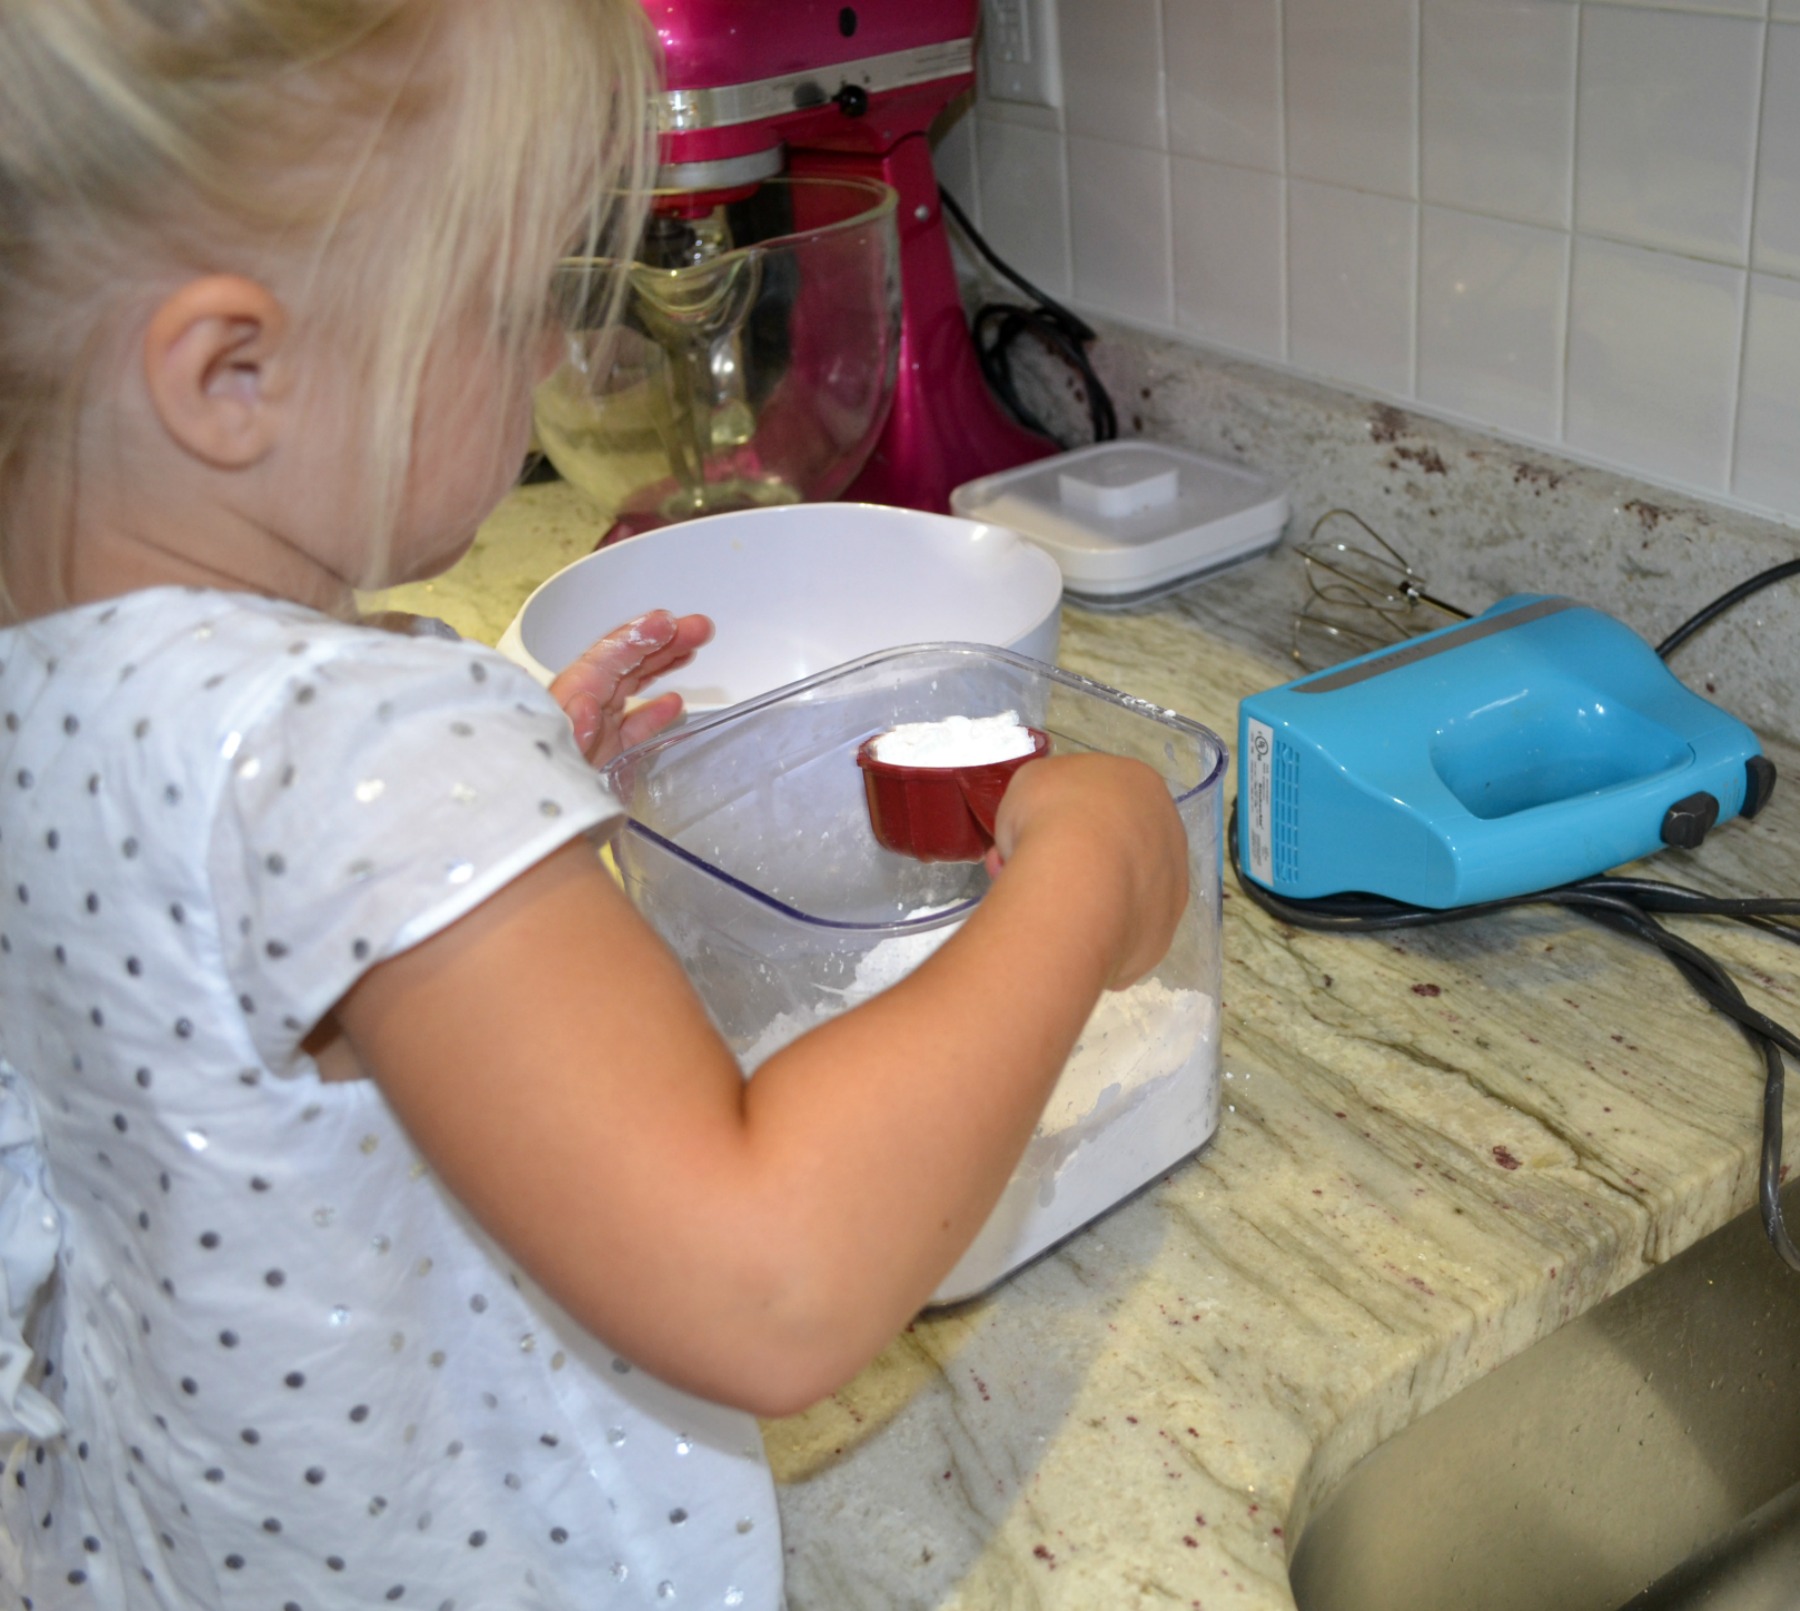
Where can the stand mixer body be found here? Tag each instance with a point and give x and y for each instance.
(817, 90)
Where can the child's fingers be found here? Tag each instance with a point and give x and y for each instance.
(616, 666)
(595, 690)
(609, 667)
(587, 716)
(649, 719)
(689, 634)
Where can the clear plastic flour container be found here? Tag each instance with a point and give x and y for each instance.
(750, 851)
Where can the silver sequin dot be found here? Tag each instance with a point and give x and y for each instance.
(370, 789)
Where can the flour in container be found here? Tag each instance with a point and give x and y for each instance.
(1141, 1079)
(1133, 1037)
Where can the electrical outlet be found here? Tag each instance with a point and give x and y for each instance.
(1018, 51)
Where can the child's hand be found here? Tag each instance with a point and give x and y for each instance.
(1119, 818)
(593, 691)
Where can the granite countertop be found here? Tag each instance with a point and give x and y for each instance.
(1433, 1150)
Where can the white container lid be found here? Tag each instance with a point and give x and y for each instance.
(1130, 521)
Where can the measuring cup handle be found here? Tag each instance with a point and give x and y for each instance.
(983, 786)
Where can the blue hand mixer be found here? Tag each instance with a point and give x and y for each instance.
(1539, 742)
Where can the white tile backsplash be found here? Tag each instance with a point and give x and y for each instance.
(1112, 71)
(1349, 313)
(1491, 296)
(1119, 218)
(1498, 107)
(1653, 362)
(1229, 279)
(1775, 241)
(1537, 216)
(1024, 199)
(1767, 470)
(1352, 92)
(1730, 8)
(1665, 138)
(1223, 64)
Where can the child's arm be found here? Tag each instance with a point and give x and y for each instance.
(758, 1243)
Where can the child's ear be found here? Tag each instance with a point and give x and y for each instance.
(216, 361)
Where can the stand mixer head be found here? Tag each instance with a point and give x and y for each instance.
(779, 337)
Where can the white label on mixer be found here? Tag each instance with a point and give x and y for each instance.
(1258, 763)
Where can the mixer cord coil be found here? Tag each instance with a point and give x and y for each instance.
(998, 325)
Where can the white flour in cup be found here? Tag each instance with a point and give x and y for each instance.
(956, 741)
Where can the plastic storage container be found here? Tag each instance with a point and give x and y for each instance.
(749, 849)
(1128, 522)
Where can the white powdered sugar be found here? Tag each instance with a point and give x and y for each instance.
(956, 741)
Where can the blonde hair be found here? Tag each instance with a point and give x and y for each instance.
(393, 165)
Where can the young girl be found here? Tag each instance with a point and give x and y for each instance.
(384, 1222)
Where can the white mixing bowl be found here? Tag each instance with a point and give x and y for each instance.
(799, 589)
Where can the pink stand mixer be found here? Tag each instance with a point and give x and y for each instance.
(766, 356)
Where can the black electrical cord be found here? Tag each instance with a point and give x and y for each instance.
(1737, 595)
(998, 325)
(1628, 906)
(1624, 905)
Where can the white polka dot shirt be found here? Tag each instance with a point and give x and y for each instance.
(252, 1354)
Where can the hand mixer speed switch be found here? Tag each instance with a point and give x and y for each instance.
(1759, 783)
(1687, 821)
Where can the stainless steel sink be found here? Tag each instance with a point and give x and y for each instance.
(1647, 1453)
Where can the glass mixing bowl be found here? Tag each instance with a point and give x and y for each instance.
(753, 361)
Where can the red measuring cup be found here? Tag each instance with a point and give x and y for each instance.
(938, 813)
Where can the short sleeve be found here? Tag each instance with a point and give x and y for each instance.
(383, 787)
